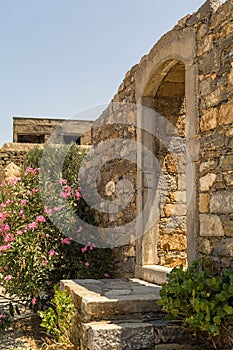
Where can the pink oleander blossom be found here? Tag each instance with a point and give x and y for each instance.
(23, 202)
(2, 316)
(34, 300)
(52, 252)
(66, 240)
(56, 209)
(8, 237)
(8, 278)
(3, 248)
(63, 181)
(106, 275)
(33, 225)
(2, 216)
(40, 218)
(35, 190)
(4, 228)
(78, 194)
(48, 211)
(28, 170)
(87, 263)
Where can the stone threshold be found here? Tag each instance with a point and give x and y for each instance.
(152, 273)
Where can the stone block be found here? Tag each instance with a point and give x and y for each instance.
(226, 113)
(225, 248)
(204, 246)
(228, 228)
(210, 225)
(173, 242)
(175, 210)
(209, 119)
(206, 182)
(221, 202)
(204, 201)
(215, 97)
(205, 45)
(229, 179)
(226, 161)
(106, 299)
(120, 336)
(208, 165)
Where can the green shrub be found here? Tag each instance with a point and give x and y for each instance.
(34, 253)
(201, 296)
(57, 319)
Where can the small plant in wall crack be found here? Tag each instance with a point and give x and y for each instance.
(202, 297)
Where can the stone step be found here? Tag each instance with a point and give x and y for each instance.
(157, 334)
(108, 299)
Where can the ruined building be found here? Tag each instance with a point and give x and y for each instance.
(187, 78)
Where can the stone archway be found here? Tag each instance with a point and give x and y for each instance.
(166, 83)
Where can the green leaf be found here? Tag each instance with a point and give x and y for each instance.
(228, 309)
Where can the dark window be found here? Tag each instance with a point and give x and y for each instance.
(71, 138)
(31, 138)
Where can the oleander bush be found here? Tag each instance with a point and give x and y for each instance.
(34, 253)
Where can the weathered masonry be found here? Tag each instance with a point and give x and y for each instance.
(38, 130)
(31, 132)
(187, 78)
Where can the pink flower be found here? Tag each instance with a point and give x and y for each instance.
(19, 233)
(35, 190)
(56, 209)
(2, 216)
(84, 249)
(63, 181)
(40, 218)
(106, 275)
(52, 252)
(3, 205)
(28, 170)
(87, 263)
(33, 225)
(66, 240)
(21, 213)
(2, 316)
(78, 194)
(48, 211)
(23, 202)
(13, 181)
(3, 248)
(8, 278)
(34, 301)
(8, 238)
(5, 227)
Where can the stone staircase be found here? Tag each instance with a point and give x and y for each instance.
(122, 314)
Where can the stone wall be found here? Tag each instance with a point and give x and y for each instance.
(206, 125)
(215, 59)
(13, 153)
(38, 130)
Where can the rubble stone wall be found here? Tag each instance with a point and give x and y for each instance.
(212, 28)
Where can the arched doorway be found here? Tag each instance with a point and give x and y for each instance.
(168, 88)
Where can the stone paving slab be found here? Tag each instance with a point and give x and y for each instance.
(108, 298)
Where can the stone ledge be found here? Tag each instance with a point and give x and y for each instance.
(111, 298)
(152, 273)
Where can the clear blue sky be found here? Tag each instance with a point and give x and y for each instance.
(59, 57)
